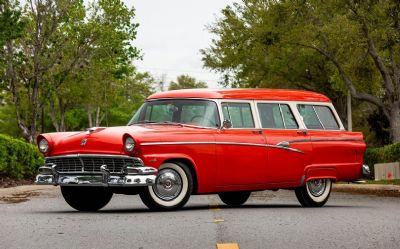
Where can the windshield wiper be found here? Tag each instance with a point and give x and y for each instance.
(161, 123)
(143, 122)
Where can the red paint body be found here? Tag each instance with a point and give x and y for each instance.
(231, 159)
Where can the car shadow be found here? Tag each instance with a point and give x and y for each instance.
(190, 208)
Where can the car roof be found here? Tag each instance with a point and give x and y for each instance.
(243, 93)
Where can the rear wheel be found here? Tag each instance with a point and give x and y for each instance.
(234, 198)
(314, 193)
(86, 198)
(172, 188)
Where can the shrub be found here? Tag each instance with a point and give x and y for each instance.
(18, 159)
(386, 154)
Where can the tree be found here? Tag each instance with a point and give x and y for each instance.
(63, 49)
(186, 82)
(108, 63)
(356, 45)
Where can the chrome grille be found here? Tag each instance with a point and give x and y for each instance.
(92, 163)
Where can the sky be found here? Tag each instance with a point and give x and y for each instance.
(171, 34)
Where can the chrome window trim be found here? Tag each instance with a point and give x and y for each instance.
(195, 126)
(327, 104)
(252, 109)
(290, 104)
(283, 120)
(319, 120)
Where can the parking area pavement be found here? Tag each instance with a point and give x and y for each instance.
(268, 220)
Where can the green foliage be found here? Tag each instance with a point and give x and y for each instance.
(186, 82)
(327, 46)
(18, 159)
(68, 64)
(386, 154)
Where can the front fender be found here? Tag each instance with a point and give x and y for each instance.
(156, 160)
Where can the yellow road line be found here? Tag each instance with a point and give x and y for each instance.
(218, 220)
(228, 246)
(214, 208)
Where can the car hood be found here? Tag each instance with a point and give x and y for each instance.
(109, 140)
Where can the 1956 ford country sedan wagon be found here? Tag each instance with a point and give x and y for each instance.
(227, 141)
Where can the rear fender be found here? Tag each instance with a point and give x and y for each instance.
(316, 172)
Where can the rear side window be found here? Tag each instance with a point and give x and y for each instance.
(326, 116)
(239, 114)
(278, 116)
(318, 117)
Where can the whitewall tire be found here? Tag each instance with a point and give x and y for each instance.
(172, 189)
(314, 193)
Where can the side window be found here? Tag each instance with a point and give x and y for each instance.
(326, 116)
(239, 114)
(318, 117)
(288, 117)
(276, 116)
(310, 118)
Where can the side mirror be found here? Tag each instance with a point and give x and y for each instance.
(227, 124)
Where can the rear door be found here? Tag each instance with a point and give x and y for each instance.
(288, 143)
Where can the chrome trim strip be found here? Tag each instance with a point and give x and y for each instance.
(323, 126)
(93, 155)
(224, 143)
(322, 140)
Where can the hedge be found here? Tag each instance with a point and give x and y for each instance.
(18, 159)
(386, 154)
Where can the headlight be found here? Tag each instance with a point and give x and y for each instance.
(43, 146)
(129, 144)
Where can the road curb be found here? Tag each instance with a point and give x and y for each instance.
(374, 189)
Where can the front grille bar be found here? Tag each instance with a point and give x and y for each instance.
(91, 163)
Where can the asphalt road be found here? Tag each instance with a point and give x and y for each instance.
(267, 220)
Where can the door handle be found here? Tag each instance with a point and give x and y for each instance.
(302, 132)
(258, 132)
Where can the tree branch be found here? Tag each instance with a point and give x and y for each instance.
(356, 94)
(387, 80)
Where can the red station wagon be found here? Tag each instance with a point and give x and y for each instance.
(227, 141)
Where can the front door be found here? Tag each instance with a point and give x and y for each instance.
(240, 149)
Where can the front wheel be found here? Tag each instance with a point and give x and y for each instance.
(234, 198)
(314, 193)
(172, 189)
(86, 198)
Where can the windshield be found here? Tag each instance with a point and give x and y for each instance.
(183, 111)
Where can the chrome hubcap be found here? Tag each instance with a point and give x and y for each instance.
(168, 184)
(317, 187)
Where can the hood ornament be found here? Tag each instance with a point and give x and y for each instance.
(83, 142)
(93, 129)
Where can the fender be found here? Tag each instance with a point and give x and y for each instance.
(314, 172)
(156, 160)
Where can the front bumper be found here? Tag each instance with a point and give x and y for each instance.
(132, 176)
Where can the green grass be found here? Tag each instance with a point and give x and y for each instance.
(386, 182)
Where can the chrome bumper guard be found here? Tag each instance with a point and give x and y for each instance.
(365, 171)
(130, 177)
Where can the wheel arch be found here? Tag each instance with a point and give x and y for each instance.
(191, 166)
(319, 172)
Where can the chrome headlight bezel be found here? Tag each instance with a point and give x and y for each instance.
(43, 145)
(129, 144)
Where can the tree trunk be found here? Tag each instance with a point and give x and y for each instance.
(395, 123)
(89, 113)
